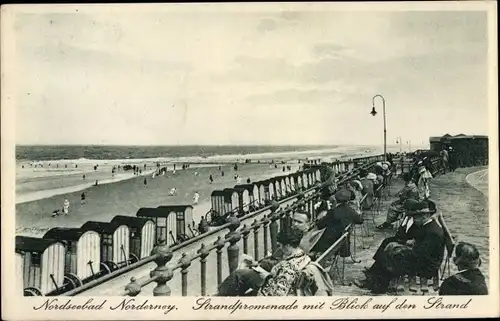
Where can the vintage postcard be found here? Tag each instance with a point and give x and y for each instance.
(185, 161)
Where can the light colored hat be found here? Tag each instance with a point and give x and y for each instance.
(379, 164)
(371, 176)
(386, 162)
(357, 184)
(421, 169)
(385, 167)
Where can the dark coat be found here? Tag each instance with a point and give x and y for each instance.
(401, 237)
(428, 250)
(334, 222)
(469, 282)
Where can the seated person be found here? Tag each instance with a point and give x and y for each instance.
(334, 223)
(326, 202)
(404, 235)
(469, 280)
(368, 190)
(355, 187)
(315, 282)
(283, 278)
(410, 191)
(423, 258)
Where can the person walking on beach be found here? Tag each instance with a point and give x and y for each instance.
(145, 181)
(211, 179)
(196, 197)
(82, 198)
(66, 207)
(83, 176)
(173, 191)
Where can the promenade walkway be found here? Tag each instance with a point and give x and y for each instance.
(465, 210)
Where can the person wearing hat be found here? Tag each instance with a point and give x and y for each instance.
(316, 280)
(335, 221)
(355, 187)
(419, 257)
(423, 181)
(368, 189)
(410, 191)
(469, 280)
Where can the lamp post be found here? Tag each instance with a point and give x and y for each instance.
(399, 141)
(409, 145)
(374, 112)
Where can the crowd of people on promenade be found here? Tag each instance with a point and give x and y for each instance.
(416, 249)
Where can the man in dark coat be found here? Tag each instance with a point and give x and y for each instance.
(469, 280)
(335, 221)
(423, 258)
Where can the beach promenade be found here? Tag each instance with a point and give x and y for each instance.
(464, 208)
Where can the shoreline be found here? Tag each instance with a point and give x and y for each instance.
(125, 197)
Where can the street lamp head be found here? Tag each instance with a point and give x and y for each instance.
(373, 112)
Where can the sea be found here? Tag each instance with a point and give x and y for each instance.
(48, 170)
(69, 152)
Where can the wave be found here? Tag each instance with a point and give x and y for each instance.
(215, 158)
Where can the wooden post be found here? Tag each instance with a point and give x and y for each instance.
(203, 260)
(220, 245)
(245, 231)
(255, 227)
(133, 288)
(162, 273)
(233, 249)
(185, 263)
(273, 228)
(265, 224)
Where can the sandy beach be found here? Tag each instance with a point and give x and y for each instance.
(42, 187)
(127, 196)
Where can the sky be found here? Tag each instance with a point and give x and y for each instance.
(292, 77)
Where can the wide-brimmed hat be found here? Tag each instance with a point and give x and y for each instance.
(418, 207)
(343, 195)
(385, 167)
(371, 176)
(379, 164)
(357, 184)
(421, 169)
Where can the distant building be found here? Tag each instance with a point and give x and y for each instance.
(470, 150)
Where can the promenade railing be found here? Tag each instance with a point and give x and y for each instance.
(254, 233)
